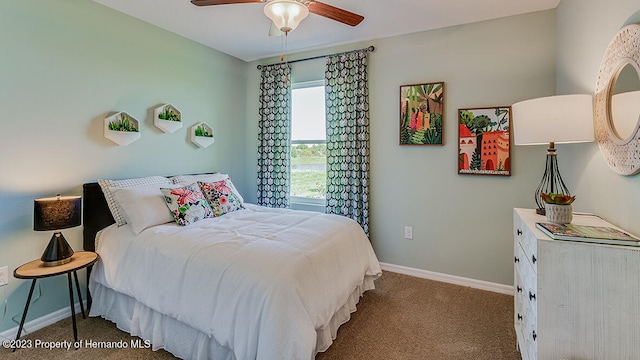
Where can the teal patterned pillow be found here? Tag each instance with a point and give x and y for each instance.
(221, 197)
(187, 204)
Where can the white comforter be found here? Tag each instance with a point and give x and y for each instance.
(262, 282)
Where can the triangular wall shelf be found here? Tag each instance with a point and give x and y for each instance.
(167, 111)
(202, 141)
(122, 137)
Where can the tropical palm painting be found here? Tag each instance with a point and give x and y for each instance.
(421, 109)
(484, 141)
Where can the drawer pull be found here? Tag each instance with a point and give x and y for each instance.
(533, 258)
(515, 259)
(519, 316)
(518, 288)
(532, 296)
(534, 335)
(519, 232)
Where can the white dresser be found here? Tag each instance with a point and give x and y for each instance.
(574, 300)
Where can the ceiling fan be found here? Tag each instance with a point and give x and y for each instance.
(287, 14)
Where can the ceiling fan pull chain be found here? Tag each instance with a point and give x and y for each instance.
(284, 44)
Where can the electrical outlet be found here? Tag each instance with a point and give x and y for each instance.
(4, 276)
(408, 232)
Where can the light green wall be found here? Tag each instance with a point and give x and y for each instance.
(585, 29)
(64, 65)
(462, 224)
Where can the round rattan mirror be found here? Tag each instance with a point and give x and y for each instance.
(617, 102)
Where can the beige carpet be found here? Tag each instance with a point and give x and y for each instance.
(404, 318)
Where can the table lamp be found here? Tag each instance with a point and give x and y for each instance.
(552, 120)
(57, 213)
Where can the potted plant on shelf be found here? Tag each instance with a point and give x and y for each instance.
(202, 135)
(123, 124)
(167, 118)
(169, 114)
(202, 131)
(121, 128)
(558, 207)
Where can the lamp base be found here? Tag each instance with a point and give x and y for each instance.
(551, 180)
(58, 251)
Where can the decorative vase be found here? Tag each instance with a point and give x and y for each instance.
(558, 214)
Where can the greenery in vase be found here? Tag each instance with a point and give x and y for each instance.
(558, 199)
(168, 114)
(123, 124)
(202, 131)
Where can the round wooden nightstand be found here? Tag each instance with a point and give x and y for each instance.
(36, 270)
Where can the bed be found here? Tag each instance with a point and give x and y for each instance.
(256, 283)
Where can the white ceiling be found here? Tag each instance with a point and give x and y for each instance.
(241, 30)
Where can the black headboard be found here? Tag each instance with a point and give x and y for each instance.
(96, 214)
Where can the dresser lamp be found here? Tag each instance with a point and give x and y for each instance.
(561, 119)
(54, 214)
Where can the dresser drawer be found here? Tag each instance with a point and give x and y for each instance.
(519, 314)
(531, 337)
(528, 241)
(525, 269)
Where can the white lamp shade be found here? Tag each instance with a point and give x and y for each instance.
(560, 119)
(286, 14)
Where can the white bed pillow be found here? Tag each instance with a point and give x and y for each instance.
(107, 185)
(207, 178)
(143, 206)
(190, 179)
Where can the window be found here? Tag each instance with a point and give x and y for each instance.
(308, 143)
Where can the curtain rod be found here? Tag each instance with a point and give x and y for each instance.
(367, 49)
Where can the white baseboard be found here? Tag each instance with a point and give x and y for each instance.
(452, 279)
(41, 322)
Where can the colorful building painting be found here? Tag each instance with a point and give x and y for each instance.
(484, 141)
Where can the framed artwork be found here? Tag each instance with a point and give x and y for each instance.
(484, 145)
(421, 114)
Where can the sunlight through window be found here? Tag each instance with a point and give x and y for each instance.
(308, 143)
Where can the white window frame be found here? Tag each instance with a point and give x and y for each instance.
(303, 202)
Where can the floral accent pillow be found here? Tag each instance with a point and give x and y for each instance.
(187, 204)
(221, 197)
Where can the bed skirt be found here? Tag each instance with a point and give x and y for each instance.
(186, 342)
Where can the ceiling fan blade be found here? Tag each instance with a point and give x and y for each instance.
(221, 2)
(334, 13)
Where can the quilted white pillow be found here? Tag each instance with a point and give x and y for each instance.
(190, 179)
(207, 178)
(143, 206)
(107, 185)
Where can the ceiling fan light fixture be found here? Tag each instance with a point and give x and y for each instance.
(286, 14)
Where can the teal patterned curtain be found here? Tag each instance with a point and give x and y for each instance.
(274, 134)
(347, 108)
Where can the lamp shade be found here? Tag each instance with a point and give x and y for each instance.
(559, 119)
(286, 14)
(57, 213)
